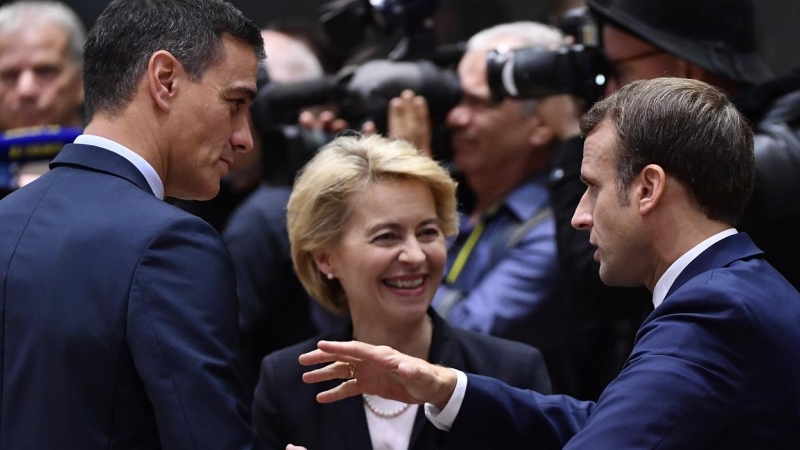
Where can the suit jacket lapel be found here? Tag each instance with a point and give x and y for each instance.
(442, 352)
(349, 413)
(99, 159)
(722, 253)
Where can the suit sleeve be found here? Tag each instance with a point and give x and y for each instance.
(684, 379)
(182, 333)
(495, 415)
(678, 390)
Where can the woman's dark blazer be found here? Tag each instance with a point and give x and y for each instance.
(285, 410)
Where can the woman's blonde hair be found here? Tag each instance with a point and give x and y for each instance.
(319, 206)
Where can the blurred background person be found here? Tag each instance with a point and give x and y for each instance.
(502, 275)
(274, 309)
(41, 82)
(368, 219)
(648, 39)
(716, 43)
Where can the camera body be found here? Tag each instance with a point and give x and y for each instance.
(536, 72)
(578, 68)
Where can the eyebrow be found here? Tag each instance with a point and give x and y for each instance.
(245, 91)
(394, 226)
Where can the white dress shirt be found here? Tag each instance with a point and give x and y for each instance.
(444, 419)
(156, 185)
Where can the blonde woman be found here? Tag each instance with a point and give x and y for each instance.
(367, 221)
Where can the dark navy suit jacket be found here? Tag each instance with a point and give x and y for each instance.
(715, 366)
(285, 409)
(117, 316)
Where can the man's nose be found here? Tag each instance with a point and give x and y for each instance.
(458, 117)
(27, 84)
(242, 139)
(582, 219)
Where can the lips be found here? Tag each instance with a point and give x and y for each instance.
(412, 283)
(228, 163)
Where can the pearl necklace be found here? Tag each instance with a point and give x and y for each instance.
(370, 399)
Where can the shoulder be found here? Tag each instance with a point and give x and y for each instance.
(514, 363)
(266, 203)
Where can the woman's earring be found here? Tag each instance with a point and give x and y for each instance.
(330, 276)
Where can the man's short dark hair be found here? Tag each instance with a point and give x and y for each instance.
(128, 32)
(692, 131)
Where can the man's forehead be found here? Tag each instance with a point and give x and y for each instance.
(600, 144)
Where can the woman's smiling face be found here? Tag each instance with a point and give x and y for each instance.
(391, 255)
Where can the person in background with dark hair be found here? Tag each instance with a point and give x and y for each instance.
(41, 60)
(274, 309)
(669, 167)
(119, 311)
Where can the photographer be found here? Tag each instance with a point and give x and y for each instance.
(647, 42)
(502, 275)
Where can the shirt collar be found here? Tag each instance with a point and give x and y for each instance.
(527, 199)
(134, 158)
(669, 277)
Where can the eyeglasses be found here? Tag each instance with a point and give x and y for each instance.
(613, 64)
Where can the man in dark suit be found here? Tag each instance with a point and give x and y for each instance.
(669, 167)
(118, 325)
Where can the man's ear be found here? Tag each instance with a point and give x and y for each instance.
(651, 185)
(541, 134)
(163, 71)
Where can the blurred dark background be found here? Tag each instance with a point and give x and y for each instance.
(456, 20)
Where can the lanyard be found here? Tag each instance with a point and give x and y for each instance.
(469, 245)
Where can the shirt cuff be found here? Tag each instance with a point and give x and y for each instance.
(444, 419)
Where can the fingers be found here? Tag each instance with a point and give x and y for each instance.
(369, 128)
(324, 121)
(353, 350)
(320, 357)
(294, 447)
(338, 370)
(409, 119)
(347, 389)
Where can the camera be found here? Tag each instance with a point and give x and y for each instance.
(579, 68)
(358, 94)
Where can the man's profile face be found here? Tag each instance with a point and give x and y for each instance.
(611, 218)
(40, 83)
(210, 123)
(485, 135)
(634, 59)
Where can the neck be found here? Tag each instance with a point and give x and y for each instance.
(129, 133)
(412, 338)
(494, 188)
(677, 240)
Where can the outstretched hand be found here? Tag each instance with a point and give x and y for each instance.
(378, 370)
